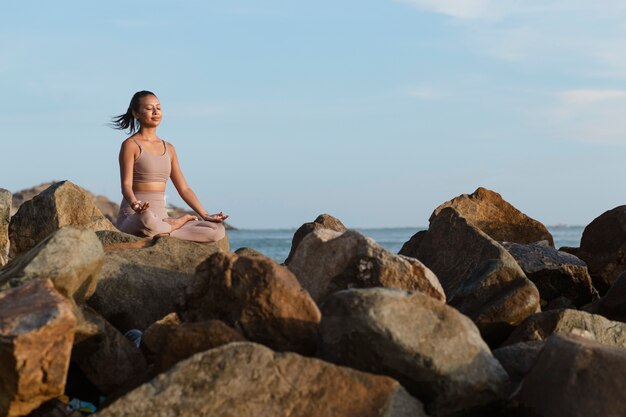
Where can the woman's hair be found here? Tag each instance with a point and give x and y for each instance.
(127, 120)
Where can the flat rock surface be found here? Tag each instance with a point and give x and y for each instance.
(432, 349)
(246, 379)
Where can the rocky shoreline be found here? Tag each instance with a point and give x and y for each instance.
(480, 315)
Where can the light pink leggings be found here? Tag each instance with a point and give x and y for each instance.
(150, 222)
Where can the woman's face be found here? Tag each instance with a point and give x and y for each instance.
(149, 112)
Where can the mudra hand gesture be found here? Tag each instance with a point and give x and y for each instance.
(215, 218)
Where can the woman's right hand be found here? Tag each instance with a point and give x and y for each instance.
(215, 218)
(139, 206)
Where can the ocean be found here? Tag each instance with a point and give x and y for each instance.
(276, 243)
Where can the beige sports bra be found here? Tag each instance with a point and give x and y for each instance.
(152, 168)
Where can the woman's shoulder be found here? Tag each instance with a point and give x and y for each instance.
(130, 143)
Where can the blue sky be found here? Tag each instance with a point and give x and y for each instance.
(375, 112)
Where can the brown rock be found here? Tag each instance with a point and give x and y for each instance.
(556, 274)
(540, 326)
(518, 359)
(575, 377)
(603, 247)
(488, 211)
(140, 284)
(323, 221)
(257, 296)
(246, 379)
(611, 305)
(434, 351)
(5, 216)
(154, 336)
(70, 257)
(36, 333)
(180, 341)
(109, 360)
(245, 251)
(60, 205)
(326, 261)
(478, 275)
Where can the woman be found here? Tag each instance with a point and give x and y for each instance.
(146, 162)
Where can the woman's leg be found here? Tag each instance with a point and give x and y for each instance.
(146, 224)
(200, 231)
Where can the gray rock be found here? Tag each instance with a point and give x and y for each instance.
(5, 216)
(70, 257)
(326, 261)
(611, 305)
(433, 350)
(518, 359)
(142, 282)
(246, 379)
(60, 205)
(540, 326)
(556, 274)
(575, 377)
(478, 275)
(323, 221)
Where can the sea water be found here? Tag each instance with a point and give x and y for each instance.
(276, 243)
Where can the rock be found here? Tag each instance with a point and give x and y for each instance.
(110, 239)
(109, 360)
(323, 221)
(60, 205)
(36, 333)
(478, 275)
(603, 247)
(555, 274)
(154, 336)
(540, 326)
(245, 251)
(518, 359)
(246, 379)
(575, 377)
(170, 343)
(140, 285)
(70, 257)
(326, 261)
(488, 211)
(611, 305)
(257, 296)
(5, 216)
(435, 352)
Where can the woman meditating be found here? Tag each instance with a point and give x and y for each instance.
(146, 162)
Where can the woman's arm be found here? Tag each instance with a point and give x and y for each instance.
(186, 193)
(128, 153)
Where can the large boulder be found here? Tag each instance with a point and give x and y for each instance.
(323, 221)
(603, 247)
(60, 205)
(5, 217)
(70, 257)
(36, 333)
(259, 297)
(540, 326)
(246, 379)
(488, 211)
(575, 377)
(108, 360)
(169, 340)
(326, 261)
(478, 275)
(611, 305)
(434, 351)
(554, 273)
(142, 281)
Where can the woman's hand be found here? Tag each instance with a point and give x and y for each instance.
(139, 206)
(215, 218)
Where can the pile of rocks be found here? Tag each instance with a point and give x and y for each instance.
(451, 326)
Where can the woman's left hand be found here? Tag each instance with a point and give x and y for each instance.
(215, 218)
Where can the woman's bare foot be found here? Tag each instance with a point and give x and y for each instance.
(178, 222)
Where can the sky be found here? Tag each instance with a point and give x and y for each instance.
(373, 111)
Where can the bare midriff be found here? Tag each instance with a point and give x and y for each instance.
(149, 186)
